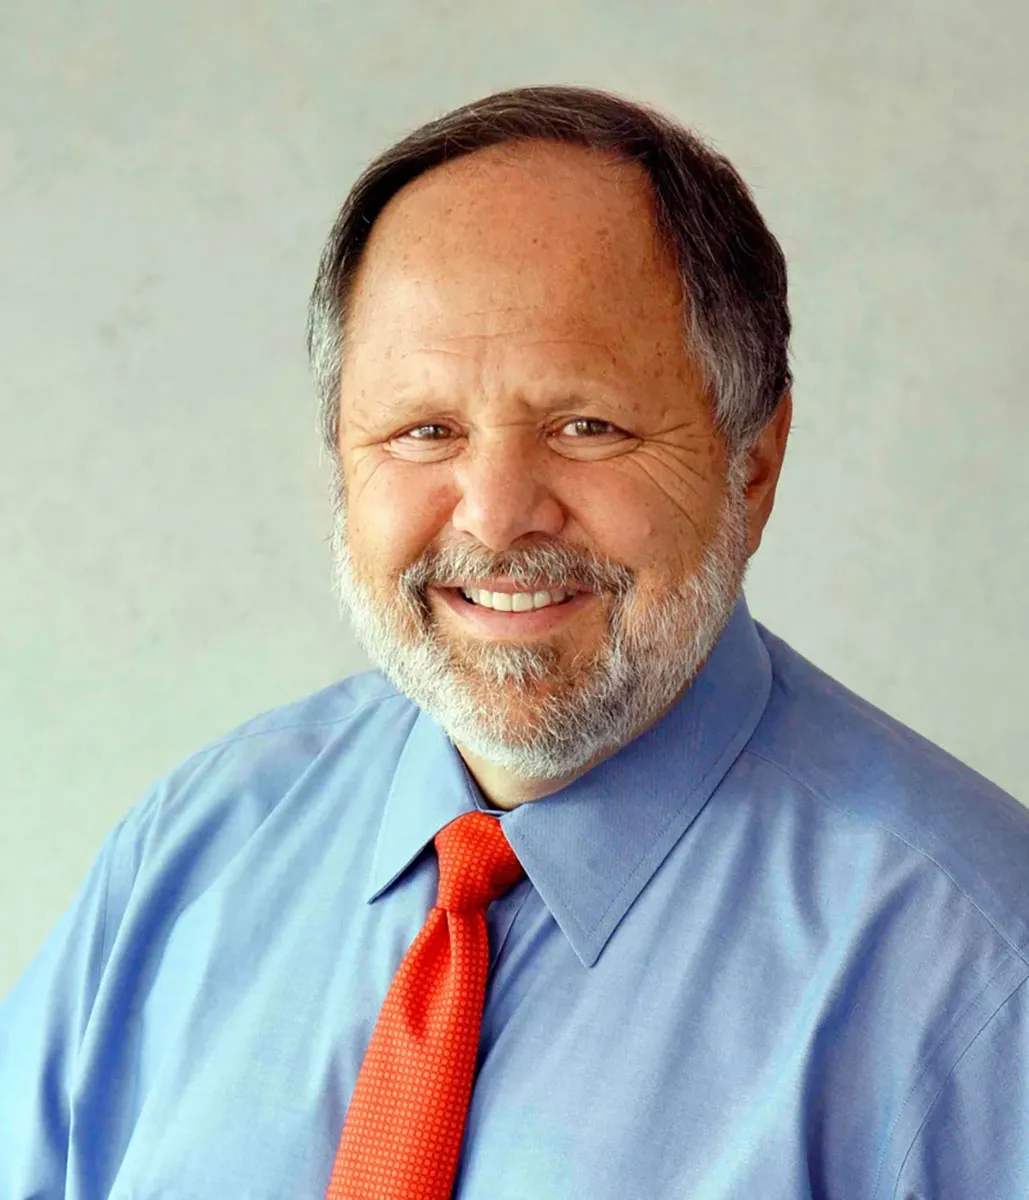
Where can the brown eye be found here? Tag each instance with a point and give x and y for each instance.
(429, 442)
(426, 433)
(586, 427)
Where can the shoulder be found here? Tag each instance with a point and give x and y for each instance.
(856, 760)
(270, 750)
(345, 706)
(333, 749)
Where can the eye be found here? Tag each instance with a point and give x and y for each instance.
(587, 427)
(589, 439)
(431, 441)
(431, 432)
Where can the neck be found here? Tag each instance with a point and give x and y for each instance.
(503, 789)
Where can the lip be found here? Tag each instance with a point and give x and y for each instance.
(491, 623)
(500, 584)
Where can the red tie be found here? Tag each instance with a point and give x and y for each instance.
(403, 1129)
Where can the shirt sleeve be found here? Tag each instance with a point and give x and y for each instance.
(42, 1024)
(975, 1138)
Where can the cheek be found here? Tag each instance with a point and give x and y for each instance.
(621, 519)
(394, 514)
(628, 518)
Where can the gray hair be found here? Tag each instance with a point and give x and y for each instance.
(732, 268)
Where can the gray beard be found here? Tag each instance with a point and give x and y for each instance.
(566, 717)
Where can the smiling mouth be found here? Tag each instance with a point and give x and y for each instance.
(514, 601)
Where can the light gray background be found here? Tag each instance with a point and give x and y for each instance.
(168, 171)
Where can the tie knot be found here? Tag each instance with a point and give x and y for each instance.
(476, 863)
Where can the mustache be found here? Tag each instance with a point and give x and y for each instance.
(532, 567)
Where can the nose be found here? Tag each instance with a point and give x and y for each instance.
(504, 493)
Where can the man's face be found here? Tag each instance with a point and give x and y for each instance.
(520, 417)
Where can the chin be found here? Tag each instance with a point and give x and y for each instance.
(515, 704)
(521, 677)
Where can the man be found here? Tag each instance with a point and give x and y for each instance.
(698, 922)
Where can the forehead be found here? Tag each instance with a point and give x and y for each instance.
(538, 235)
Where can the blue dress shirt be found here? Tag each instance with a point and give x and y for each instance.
(776, 948)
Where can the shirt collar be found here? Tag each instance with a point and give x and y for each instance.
(591, 848)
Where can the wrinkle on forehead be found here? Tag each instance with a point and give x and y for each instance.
(473, 340)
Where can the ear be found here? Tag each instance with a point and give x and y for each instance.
(764, 462)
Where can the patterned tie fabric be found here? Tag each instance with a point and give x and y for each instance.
(403, 1129)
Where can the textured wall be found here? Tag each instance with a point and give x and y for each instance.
(167, 173)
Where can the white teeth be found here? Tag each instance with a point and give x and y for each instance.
(513, 601)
